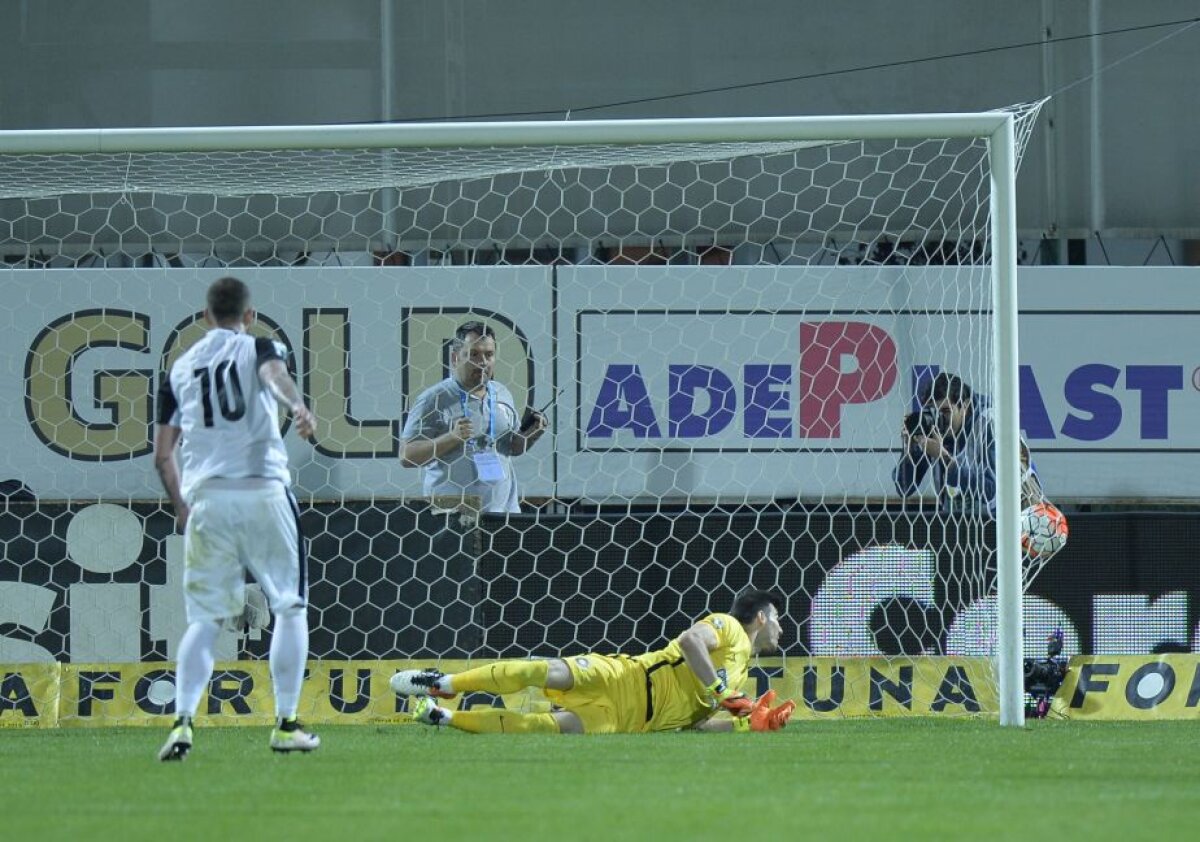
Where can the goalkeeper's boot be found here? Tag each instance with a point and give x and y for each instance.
(423, 682)
(427, 712)
(179, 741)
(289, 736)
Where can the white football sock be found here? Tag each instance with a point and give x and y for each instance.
(289, 651)
(194, 665)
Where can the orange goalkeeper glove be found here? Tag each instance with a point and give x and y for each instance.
(737, 704)
(765, 718)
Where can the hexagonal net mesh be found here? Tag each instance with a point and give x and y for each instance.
(723, 338)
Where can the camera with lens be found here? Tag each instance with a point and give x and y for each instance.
(1043, 676)
(927, 422)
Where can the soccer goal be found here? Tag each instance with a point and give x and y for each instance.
(726, 321)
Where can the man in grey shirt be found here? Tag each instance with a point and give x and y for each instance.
(464, 431)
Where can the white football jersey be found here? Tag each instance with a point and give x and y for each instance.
(227, 415)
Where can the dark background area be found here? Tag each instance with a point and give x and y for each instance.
(390, 580)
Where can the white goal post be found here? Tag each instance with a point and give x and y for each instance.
(287, 193)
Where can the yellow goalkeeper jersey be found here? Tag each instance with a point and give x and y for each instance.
(676, 699)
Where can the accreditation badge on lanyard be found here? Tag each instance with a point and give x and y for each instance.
(486, 459)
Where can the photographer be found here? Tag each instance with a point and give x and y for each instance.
(952, 434)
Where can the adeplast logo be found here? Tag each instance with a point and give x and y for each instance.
(840, 363)
(1100, 398)
(844, 366)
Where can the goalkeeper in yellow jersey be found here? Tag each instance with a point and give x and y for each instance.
(698, 674)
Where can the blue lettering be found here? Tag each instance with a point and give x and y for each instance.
(1104, 409)
(1035, 421)
(764, 396)
(684, 382)
(1154, 382)
(623, 404)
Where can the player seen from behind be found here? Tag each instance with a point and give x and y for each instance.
(232, 499)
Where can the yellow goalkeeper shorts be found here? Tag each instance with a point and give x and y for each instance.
(608, 696)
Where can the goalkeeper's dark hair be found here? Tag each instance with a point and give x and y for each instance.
(951, 386)
(748, 603)
(480, 329)
(227, 299)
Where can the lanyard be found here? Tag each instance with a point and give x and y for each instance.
(491, 409)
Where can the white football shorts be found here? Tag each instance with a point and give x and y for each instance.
(239, 525)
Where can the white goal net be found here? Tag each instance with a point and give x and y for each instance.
(725, 321)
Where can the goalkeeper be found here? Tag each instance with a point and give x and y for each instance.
(697, 675)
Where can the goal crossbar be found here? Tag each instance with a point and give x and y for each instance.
(413, 135)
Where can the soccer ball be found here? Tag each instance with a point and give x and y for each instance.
(1043, 530)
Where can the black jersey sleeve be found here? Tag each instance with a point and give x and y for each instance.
(167, 404)
(268, 349)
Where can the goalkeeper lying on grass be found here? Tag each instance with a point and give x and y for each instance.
(697, 675)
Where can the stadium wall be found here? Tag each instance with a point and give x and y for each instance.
(182, 64)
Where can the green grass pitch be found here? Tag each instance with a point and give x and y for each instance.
(878, 779)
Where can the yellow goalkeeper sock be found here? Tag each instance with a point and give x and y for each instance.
(499, 721)
(501, 677)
